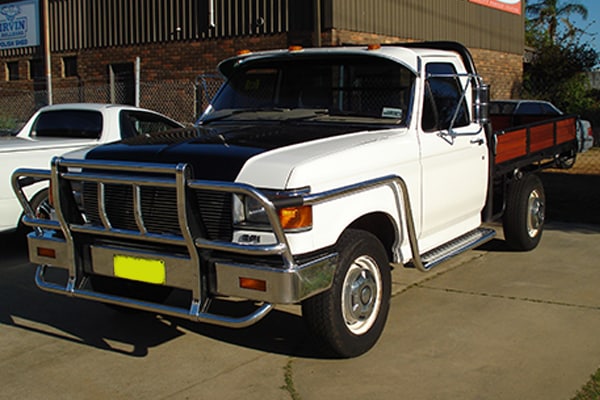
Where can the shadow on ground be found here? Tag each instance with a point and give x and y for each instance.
(26, 307)
(572, 198)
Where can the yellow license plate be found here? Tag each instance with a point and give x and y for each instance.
(139, 269)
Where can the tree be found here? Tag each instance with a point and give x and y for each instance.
(545, 16)
(555, 74)
(561, 56)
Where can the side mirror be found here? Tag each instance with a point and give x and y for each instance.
(481, 103)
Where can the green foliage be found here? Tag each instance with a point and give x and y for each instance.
(591, 391)
(7, 123)
(555, 74)
(550, 19)
(556, 70)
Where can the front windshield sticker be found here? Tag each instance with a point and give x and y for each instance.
(388, 112)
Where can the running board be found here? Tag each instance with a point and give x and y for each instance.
(455, 247)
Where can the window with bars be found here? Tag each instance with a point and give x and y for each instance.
(12, 71)
(69, 66)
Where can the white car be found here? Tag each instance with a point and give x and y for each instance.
(57, 129)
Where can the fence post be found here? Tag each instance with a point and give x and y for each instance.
(138, 68)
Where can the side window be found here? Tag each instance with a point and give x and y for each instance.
(442, 99)
(134, 123)
(76, 124)
(529, 109)
(547, 109)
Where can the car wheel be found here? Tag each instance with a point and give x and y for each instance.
(524, 217)
(40, 203)
(348, 319)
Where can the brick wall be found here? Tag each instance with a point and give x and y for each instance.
(184, 61)
(172, 61)
(503, 71)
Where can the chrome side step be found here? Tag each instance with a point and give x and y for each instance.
(457, 246)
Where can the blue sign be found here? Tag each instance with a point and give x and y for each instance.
(19, 24)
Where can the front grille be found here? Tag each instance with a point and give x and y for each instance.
(159, 209)
(215, 213)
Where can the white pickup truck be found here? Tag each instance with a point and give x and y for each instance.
(55, 130)
(311, 173)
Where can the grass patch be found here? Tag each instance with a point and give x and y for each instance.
(289, 381)
(7, 122)
(591, 390)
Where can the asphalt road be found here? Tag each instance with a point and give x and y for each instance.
(490, 324)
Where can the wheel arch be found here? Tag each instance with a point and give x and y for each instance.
(382, 226)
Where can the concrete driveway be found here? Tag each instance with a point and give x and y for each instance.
(490, 324)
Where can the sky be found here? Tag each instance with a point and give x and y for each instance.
(591, 24)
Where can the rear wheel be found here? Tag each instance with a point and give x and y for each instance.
(524, 217)
(348, 319)
(566, 162)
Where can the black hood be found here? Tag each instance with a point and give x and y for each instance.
(216, 152)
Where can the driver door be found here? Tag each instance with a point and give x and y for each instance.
(454, 157)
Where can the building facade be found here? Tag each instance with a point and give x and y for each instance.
(123, 44)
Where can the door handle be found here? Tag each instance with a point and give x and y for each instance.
(477, 141)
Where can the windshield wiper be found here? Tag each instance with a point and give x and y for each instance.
(228, 112)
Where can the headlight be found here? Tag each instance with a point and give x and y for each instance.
(250, 213)
(248, 210)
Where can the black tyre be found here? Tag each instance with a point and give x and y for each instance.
(523, 220)
(40, 204)
(348, 319)
(566, 162)
(42, 209)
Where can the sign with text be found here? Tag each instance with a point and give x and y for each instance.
(511, 6)
(19, 24)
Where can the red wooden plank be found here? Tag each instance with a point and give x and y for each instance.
(511, 145)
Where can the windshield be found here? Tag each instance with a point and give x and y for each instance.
(335, 85)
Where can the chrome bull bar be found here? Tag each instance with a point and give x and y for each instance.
(318, 274)
(289, 275)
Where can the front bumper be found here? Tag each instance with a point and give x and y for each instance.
(281, 285)
(186, 259)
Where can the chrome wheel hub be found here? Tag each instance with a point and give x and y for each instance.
(361, 295)
(536, 213)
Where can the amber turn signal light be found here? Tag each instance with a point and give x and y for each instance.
(253, 284)
(46, 252)
(296, 217)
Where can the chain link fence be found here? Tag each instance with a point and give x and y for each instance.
(182, 100)
(587, 163)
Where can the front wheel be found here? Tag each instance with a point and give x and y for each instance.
(348, 319)
(524, 217)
